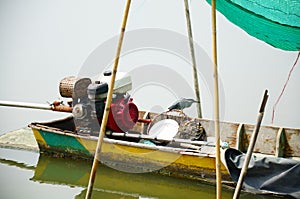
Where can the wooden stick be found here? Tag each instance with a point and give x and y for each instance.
(107, 105)
(216, 101)
(251, 147)
(192, 52)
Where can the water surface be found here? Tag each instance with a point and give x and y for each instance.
(31, 175)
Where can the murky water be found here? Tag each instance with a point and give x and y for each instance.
(31, 175)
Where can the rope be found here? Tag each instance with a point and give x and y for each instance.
(284, 86)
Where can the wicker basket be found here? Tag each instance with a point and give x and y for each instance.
(74, 87)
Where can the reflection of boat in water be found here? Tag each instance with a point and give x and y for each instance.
(111, 183)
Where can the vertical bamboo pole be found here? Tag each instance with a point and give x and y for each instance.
(216, 101)
(192, 52)
(107, 105)
(243, 173)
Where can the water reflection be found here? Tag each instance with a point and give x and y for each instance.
(117, 183)
(111, 183)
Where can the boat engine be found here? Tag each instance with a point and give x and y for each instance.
(89, 100)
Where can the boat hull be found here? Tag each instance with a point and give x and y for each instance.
(131, 157)
(60, 138)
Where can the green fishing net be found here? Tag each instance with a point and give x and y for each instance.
(277, 22)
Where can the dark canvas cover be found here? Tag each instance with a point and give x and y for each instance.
(265, 174)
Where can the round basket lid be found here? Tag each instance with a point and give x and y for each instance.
(164, 129)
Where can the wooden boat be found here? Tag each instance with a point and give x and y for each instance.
(177, 157)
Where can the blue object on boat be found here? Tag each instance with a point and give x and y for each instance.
(147, 142)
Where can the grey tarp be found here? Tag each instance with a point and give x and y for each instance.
(265, 174)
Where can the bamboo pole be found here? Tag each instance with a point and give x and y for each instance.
(107, 105)
(251, 147)
(216, 102)
(192, 52)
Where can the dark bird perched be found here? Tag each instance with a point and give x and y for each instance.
(182, 103)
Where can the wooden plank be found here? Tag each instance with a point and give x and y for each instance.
(280, 143)
(266, 141)
(240, 138)
(292, 147)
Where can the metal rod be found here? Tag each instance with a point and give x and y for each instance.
(251, 147)
(149, 137)
(55, 106)
(216, 102)
(192, 52)
(25, 105)
(107, 105)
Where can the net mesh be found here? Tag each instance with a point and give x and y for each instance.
(275, 22)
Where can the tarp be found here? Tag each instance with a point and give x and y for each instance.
(265, 174)
(275, 22)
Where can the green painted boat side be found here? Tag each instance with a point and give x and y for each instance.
(63, 142)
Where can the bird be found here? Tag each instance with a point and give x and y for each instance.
(182, 103)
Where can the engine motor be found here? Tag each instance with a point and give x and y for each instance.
(89, 100)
